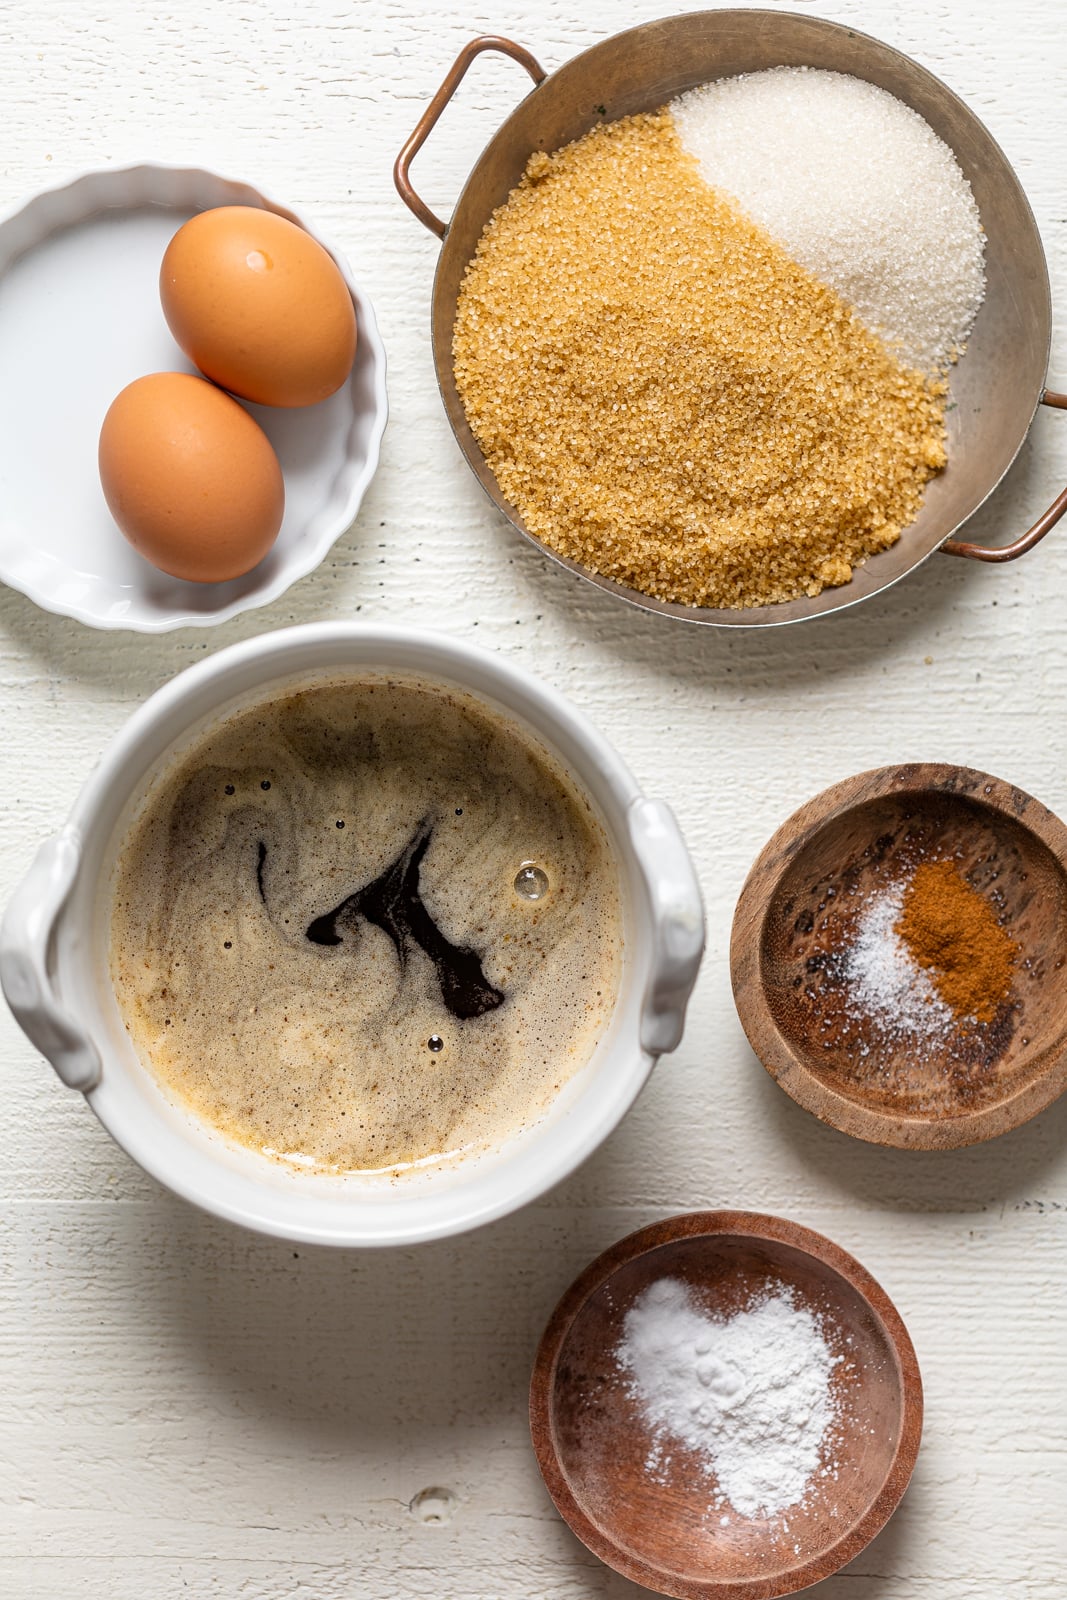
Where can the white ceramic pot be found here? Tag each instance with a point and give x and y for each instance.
(54, 941)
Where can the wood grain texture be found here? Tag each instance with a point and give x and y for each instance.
(190, 1410)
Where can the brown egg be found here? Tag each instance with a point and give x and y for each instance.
(259, 306)
(190, 478)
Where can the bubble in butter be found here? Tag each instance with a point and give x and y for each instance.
(259, 306)
(190, 478)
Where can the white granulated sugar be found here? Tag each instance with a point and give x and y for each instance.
(751, 1392)
(886, 986)
(858, 189)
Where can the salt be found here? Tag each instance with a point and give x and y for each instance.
(886, 986)
(860, 191)
(751, 1393)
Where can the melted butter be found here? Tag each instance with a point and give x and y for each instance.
(396, 819)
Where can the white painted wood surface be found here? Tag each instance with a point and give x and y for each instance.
(186, 1409)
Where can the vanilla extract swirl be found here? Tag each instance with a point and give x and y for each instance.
(392, 902)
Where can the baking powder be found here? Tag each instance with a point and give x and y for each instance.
(751, 1393)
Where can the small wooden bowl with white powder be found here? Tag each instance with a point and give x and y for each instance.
(899, 956)
(726, 1405)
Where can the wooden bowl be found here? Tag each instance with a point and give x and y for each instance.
(801, 900)
(662, 1528)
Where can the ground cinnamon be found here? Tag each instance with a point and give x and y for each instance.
(952, 930)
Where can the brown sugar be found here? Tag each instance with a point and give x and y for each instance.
(952, 931)
(667, 398)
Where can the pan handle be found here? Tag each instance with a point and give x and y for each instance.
(456, 73)
(1034, 535)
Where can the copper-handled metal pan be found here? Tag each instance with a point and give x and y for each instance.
(996, 387)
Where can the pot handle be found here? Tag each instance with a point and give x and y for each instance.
(1034, 535)
(456, 73)
(677, 922)
(25, 937)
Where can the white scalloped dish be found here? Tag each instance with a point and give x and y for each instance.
(79, 319)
